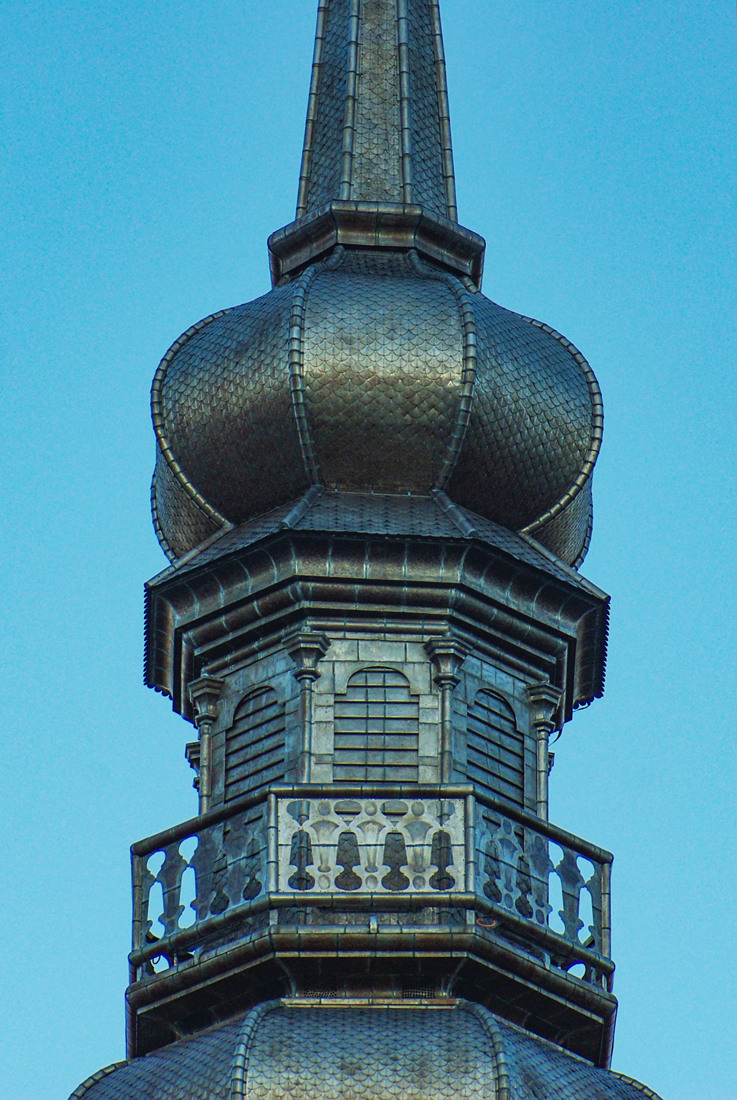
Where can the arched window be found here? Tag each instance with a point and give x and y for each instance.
(376, 729)
(495, 759)
(254, 744)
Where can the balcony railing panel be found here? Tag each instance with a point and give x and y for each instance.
(371, 845)
(518, 869)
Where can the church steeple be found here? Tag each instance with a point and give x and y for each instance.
(374, 488)
(378, 128)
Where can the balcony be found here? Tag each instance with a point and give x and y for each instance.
(299, 854)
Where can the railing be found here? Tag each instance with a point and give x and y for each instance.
(338, 849)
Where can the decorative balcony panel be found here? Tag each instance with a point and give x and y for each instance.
(372, 845)
(308, 854)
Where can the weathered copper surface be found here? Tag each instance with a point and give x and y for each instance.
(375, 364)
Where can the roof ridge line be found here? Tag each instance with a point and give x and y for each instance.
(454, 514)
(302, 507)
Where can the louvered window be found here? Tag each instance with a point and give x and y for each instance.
(376, 729)
(254, 747)
(495, 748)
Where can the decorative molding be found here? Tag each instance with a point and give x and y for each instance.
(375, 225)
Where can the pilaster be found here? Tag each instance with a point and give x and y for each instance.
(447, 656)
(306, 649)
(545, 701)
(204, 695)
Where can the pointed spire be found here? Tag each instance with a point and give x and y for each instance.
(377, 165)
(378, 128)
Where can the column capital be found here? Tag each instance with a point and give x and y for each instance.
(447, 655)
(307, 649)
(545, 699)
(204, 694)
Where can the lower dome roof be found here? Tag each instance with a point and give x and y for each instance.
(311, 1050)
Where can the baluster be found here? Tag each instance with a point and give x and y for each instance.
(511, 851)
(143, 880)
(541, 867)
(170, 877)
(203, 862)
(593, 885)
(571, 880)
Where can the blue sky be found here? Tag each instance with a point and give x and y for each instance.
(148, 152)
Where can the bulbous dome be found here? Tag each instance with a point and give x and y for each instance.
(375, 371)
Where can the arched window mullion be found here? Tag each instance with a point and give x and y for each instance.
(495, 747)
(376, 729)
(255, 744)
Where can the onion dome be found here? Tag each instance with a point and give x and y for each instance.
(375, 364)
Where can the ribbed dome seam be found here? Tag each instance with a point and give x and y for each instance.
(496, 1041)
(297, 364)
(157, 415)
(597, 431)
(636, 1085)
(87, 1085)
(241, 1055)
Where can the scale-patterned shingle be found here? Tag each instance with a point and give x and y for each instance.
(324, 180)
(227, 406)
(427, 165)
(370, 1054)
(179, 523)
(373, 165)
(541, 1071)
(568, 534)
(376, 162)
(192, 1069)
(383, 362)
(530, 428)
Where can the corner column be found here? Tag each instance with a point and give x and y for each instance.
(204, 695)
(447, 656)
(306, 649)
(545, 700)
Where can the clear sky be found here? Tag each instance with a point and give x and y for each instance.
(149, 149)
